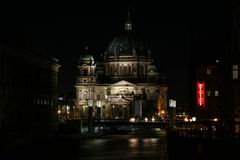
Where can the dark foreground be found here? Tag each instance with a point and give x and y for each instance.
(138, 146)
(74, 147)
(203, 148)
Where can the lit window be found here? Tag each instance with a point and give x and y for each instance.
(85, 95)
(216, 93)
(98, 97)
(208, 93)
(208, 71)
(85, 72)
(128, 26)
(235, 71)
(80, 95)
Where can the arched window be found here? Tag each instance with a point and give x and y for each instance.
(142, 70)
(129, 69)
(85, 95)
(106, 69)
(91, 71)
(135, 68)
(85, 72)
(121, 70)
(112, 69)
(116, 69)
(125, 70)
(235, 71)
(80, 95)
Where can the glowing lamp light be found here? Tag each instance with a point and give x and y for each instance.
(132, 120)
(145, 119)
(90, 102)
(194, 119)
(98, 103)
(153, 119)
(172, 103)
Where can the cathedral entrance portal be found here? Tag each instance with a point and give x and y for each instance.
(120, 111)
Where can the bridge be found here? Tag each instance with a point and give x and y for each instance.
(180, 128)
(128, 123)
(114, 122)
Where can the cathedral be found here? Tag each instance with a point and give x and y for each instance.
(125, 83)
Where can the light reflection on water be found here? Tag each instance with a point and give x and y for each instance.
(124, 147)
(132, 142)
(104, 148)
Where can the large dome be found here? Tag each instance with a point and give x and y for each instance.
(126, 45)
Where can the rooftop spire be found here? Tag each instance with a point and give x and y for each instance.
(86, 48)
(128, 23)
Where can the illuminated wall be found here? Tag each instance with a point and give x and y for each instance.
(125, 75)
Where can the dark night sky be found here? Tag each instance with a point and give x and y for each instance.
(175, 32)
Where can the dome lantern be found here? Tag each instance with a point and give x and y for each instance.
(86, 58)
(128, 23)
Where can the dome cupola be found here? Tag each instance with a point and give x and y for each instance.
(86, 58)
(127, 44)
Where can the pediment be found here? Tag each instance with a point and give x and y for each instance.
(123, 83)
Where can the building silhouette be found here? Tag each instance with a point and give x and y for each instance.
(28, 96)
(230, 77)
(219, 77)
(208, 91)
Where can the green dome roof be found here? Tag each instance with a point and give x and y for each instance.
(86, 59)
(126, 45)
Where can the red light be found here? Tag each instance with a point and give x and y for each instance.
(200, 94)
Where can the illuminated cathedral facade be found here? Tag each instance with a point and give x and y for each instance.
(125, 83)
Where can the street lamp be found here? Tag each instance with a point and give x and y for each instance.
(90, 110)
(98, 109)
(172, 107)
(113, 112)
